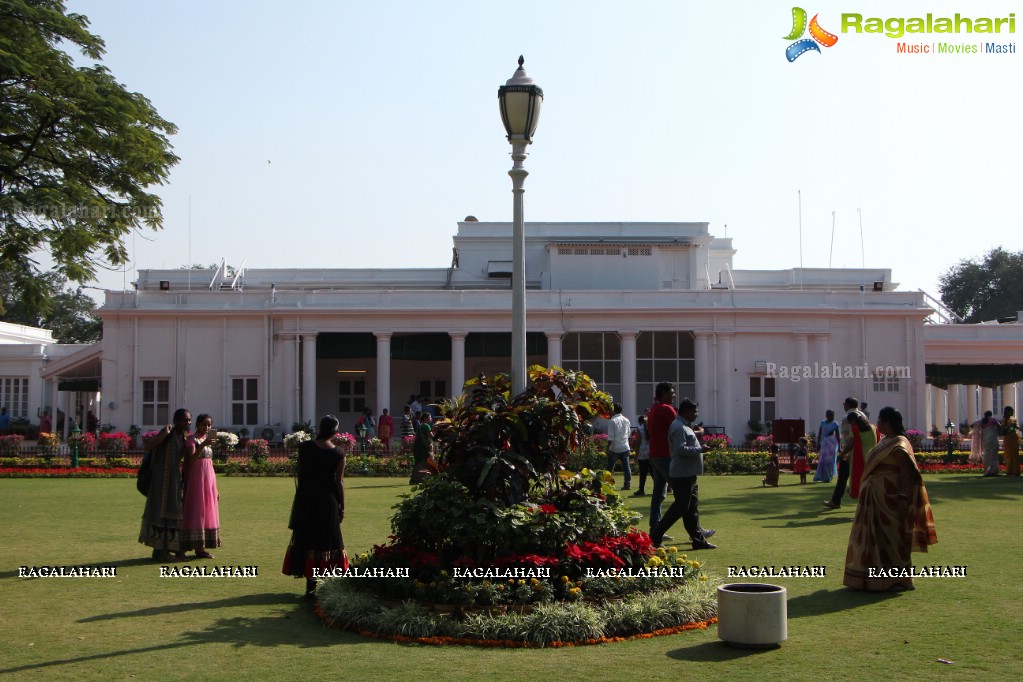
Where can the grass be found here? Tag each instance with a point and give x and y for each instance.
(140, 625)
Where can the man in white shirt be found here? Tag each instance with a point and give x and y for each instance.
(618, 430)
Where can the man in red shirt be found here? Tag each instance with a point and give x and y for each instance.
(658, 419)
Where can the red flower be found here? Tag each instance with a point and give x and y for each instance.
(548, 509)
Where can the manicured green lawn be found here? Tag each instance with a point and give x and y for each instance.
(140, 625)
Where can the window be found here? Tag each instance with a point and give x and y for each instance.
(351, 395)
(665, 356)
(887, 380)
(433, 391)
(599, 355)
(245, 401)
(155, 401)
(14, 396)
(761, 399)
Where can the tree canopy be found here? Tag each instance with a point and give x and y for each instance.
(987, 289)
(77, 149)
(65, 311)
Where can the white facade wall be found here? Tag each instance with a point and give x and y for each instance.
(634, 279)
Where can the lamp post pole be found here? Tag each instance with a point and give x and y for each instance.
(518, 360)
(520, 100)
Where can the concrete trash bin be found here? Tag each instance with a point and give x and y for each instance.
(752, 615)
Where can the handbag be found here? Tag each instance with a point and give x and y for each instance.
(145, 475)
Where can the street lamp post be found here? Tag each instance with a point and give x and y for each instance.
(950, 431)
(520, 99)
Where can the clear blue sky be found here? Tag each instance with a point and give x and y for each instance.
(356, 134)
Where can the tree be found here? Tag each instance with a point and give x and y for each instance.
(985, 290)
(66, 312)
(77, 150)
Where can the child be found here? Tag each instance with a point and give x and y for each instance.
(800, 466)
(773, 469)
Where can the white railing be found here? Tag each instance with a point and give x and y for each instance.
(942, 313)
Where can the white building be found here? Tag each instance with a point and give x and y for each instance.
(27, 386)
(631, 304)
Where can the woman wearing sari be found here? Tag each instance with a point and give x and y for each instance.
(1010, 440)
(161, 519)
(827, 443)
(893, 516)
(989, 442)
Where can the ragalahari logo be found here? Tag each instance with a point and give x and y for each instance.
(817, 35)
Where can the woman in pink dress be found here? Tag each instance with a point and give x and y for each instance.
(200, 523)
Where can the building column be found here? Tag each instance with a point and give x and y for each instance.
(383, 371)
(971, 403)
(726, 378)
(309, 378)
(553, 348)
(1008, 396)
(987, 401)
(288, 364)
(820, 389)
(457, 362)
(801, 404)
(628, 398)
(953, 404)
(701, 353)
(69, 414)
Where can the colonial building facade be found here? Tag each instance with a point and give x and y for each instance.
(631, 304)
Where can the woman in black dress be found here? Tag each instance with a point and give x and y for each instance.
(318, 509)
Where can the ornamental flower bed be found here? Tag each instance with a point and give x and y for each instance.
(10, 445)
(716, 441)
(223, 445)
(506, 544)
(114, 444)
(85, 441)
(68, 472)
(48, 444)
(257, 449)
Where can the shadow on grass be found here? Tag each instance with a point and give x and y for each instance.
(350, 484)
(244, 600)
(123, 563)
(715, 652)
(973, 487)
(831, 601)
(806, 519)
(239, 632)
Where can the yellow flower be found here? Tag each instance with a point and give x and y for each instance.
(564, 578)
(703, 577)
(533, 581)
(673, 550)
(486, 583)
(444, 574)
(522, 581)
(511, 581)
(501, 588)
(433, 583)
